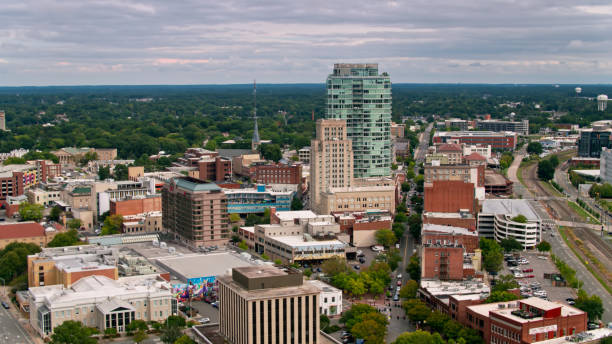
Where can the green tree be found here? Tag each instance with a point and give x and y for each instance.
(139, 336)
(492, 261)
(414, 267)
(543, 246)
(175, 320)
(520, 218)
(120, 172)
(296, 204)
(416, 310)
(243, 245)
(534, 147)
(546, 171)
(234, 217)
(501, 296)
(12, 160)
(511, 244)
(265, 256)
(31, 212)
(385, 237)
(87, 157)
(69, 238)
(104, 172)
(55, 213)
(590, 304)
(271, 152)
(406, 186)
(418, 337)
(504, 283)
(409, 290)
(334, 266)
(354, 314)
(136, 325)
(436, 321)
(74, 224)
(72, 332)
(372, 328)
(112, 225)
(170, 334)
(184, 339)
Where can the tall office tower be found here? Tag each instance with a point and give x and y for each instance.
(362, 97)
(331, 159)
(265, 304)
(2, 121)
(195, 212)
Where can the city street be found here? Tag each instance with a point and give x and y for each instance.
(10, 329)
(591, 285)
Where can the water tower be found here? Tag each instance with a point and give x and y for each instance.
(602, 102)
(578, 90)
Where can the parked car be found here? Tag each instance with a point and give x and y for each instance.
(396, 297)
(215, 304)
(5, 305)
(570, 301)
(592, 326)
(362, 260)
(357, 267)
(527, 270)
(203, 320)
(377, 248)
(399, 283)
(399, 276)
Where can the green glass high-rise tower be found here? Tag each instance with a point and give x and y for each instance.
(358, 94)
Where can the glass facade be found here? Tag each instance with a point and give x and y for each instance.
(362, 97)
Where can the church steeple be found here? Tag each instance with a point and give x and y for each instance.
(255, 141)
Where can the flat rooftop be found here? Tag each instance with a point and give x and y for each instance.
(296, 214)
(203, 265)
(511, 207)
(492, 178)
(493, 309)
(444, 288)
(475, 133)
(298, 241)
(457, 215)
(261, 271)
(428, 227)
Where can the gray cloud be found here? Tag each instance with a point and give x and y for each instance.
(46, 42)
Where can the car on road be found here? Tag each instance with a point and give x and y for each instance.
(359, 253)
(396, 297)
(357, 267)
(398, 288)
(592, 326)
(362, 260)
(570, 301)
(203, 320)
(5, 305)
(377, 248)
(399, 276)
(399, 283)
(215, 304)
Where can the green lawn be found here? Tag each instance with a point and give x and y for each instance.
(583, 213)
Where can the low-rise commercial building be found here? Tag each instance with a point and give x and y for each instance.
(279, 174)
(443, 250)
(265, 304)
(101, 302)
(149, 222)
(135, 206)
(27, 233)
(524, 321)
(437, 294)
(357, 199)
(484, 150)
(330, 300)
(519, 127)
(499, 220)
(497, 140)
(44, 197)
(215, 169)
(362, 226)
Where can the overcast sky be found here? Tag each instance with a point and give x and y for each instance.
(72, 42)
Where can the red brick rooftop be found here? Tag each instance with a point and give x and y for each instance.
(21, 230)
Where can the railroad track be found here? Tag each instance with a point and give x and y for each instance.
(559, 208)
(590, 236)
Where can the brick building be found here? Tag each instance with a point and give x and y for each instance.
(462, 172)
(136, 206)
(525, 321)
(453, 151)
(443, 249)
(215, 169)
(449, 197)
(497, 140)
(47, 169)
(362, 226)
(278, 174)
(195, 212)
(25, 232)
(15, 179)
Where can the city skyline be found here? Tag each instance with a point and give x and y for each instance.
(131, 42)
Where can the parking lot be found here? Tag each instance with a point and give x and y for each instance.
(540, 267)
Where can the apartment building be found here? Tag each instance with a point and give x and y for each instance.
(265, 304)
(195, 212)
(16, 179)
(215, 169)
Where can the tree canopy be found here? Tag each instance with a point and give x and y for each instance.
(31, 211)
(72, 332)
